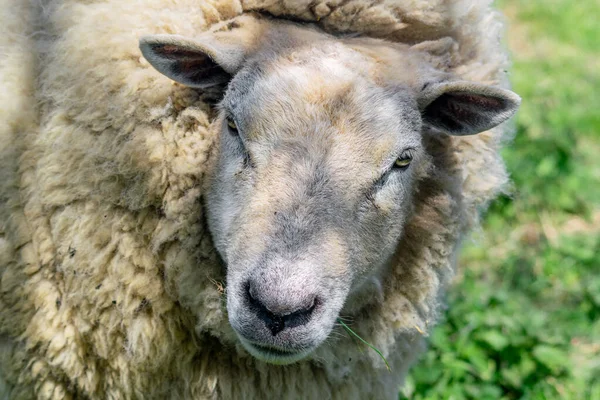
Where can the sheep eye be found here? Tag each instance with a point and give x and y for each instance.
(403, 161)
(232, 125)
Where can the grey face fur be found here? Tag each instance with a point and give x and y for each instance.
(318, 150)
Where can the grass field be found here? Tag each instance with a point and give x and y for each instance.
(524, 316)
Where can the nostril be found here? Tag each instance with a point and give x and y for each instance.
(277, 322)
(300, 317)
(272, 321)
(253, 299)
(251, 292)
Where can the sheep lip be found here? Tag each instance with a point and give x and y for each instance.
(274, 355)
(273, 350)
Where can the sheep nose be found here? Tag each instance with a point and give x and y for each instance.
(278, 316)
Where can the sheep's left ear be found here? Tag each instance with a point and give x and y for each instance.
(466, 108)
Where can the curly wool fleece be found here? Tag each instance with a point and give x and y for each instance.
(110, 286)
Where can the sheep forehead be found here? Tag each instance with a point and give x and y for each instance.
(331, 90)
(317, 71)
(327, 104)
(302, 71)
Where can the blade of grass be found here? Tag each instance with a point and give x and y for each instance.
(347, 328)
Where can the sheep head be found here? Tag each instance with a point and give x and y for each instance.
(318, 148)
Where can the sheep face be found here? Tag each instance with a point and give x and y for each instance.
(313, 182)
(317, 154)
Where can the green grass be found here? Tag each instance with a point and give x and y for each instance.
(363, 341)
(524, 316)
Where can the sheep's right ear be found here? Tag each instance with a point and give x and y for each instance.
(207, 60)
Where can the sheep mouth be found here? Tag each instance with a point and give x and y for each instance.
(274, 355)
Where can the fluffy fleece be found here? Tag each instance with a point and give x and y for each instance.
(110, 286)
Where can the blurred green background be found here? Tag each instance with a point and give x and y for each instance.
(524, 315)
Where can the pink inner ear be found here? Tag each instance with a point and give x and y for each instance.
(175, 52)
(189, 66)
(186, 64)
(485, 102)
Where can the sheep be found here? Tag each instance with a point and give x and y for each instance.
(192, 218)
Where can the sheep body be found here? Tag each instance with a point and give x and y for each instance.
(111, 287)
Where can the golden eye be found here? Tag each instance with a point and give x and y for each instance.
(231, 124)
(403, 162)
